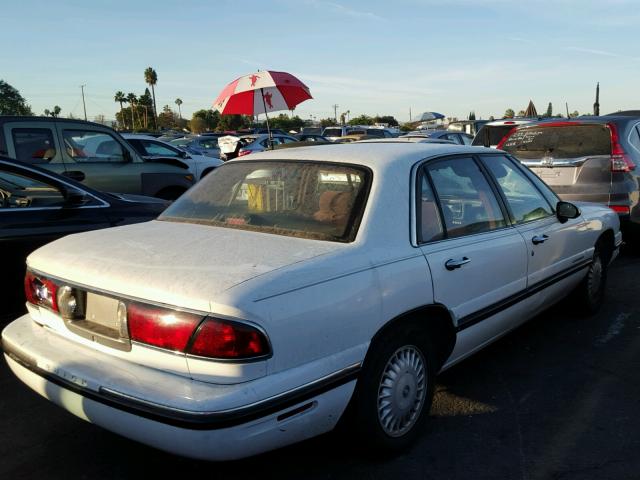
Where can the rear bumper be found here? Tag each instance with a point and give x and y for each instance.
(169, 412)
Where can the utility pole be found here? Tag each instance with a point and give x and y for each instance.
(83, 104)
(567, 105)
(335, 112)
(596, 106)
(409, 114)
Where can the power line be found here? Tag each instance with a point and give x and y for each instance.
(83, 104)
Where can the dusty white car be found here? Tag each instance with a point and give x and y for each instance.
(296, 287)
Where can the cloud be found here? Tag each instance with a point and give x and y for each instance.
(340, 9)
(602, 53)
(593, 51)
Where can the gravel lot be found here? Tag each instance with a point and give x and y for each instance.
(559, 398)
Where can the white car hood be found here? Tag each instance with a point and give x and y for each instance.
(178, 264)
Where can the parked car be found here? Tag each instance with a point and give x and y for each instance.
(289, 289)
(592, 159)
(92, 154)
(467, 126)
(491, 133)
(335, 132)
(38, 206)
(311, 137)
(459, 138)
(199, 145)
(232, 146)
(152, 148)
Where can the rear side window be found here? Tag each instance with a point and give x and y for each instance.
(34, 145)
(563, 141)
(468, 204)
(91, 146)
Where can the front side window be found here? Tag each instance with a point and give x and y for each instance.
(314, 200)
(20, 191)
(468, 204)
(34, 145)
(525, 201)
(91, 146)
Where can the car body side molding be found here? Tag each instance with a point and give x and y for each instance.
(491, 310)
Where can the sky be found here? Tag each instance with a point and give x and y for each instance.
(369, 57)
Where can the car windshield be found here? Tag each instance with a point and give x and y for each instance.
(316, 200)
(562, 141)
(179, 142)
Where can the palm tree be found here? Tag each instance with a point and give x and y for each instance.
(132, 99)
(151, 77)
(179, 102)
(120, 98)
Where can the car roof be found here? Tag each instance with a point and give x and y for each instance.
(411, 139)
(374, 154)
(23, 118)
(139, 136)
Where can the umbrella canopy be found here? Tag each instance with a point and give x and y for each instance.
(262, 92)
(531, 110)
(426, 116)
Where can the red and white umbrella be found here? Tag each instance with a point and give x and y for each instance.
(262, 92)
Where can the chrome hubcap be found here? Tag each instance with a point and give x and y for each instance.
(402, 390)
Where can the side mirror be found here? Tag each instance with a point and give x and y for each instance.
(75, 198)
(566, 210)
(127, 155)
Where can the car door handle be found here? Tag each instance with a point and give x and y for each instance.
(452, 264)
(539, 239)
(76, 175)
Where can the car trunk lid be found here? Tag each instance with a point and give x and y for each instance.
(179, 264)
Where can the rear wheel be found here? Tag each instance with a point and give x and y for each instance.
(395, 390)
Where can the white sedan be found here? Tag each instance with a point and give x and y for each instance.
(151, 148)
(292, 284)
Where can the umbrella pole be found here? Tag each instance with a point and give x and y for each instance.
(267, 117)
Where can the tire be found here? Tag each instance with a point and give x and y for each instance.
(389, 409)
(591, 291)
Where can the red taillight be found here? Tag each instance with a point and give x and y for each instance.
(620, 161)
(41, 291)
(621, 209)
(161, 327)
(194, 334)
(218, 338)
(242, 152)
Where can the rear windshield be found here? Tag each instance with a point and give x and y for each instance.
(317, 200)
(565, 141)
(489, 136)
